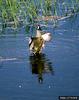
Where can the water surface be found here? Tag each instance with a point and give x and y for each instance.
(46, 76)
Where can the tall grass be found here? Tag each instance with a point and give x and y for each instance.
(15, 10)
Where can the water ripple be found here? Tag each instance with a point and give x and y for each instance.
(7, 59)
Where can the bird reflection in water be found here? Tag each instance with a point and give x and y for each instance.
(40, 65)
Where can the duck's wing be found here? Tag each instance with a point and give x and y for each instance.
(47, 36)
(31, 43)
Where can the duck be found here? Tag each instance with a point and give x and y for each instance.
(37, 43)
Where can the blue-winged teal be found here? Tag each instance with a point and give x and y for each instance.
(37, 43)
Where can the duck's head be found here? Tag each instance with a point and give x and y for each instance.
(39, 27)
(38, 31)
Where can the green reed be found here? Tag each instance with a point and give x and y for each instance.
(13, 10)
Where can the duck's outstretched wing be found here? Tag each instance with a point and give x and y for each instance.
(47, 36)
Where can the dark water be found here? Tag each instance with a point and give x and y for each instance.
(47, 76)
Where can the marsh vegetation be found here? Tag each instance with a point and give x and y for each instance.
(14, 13)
